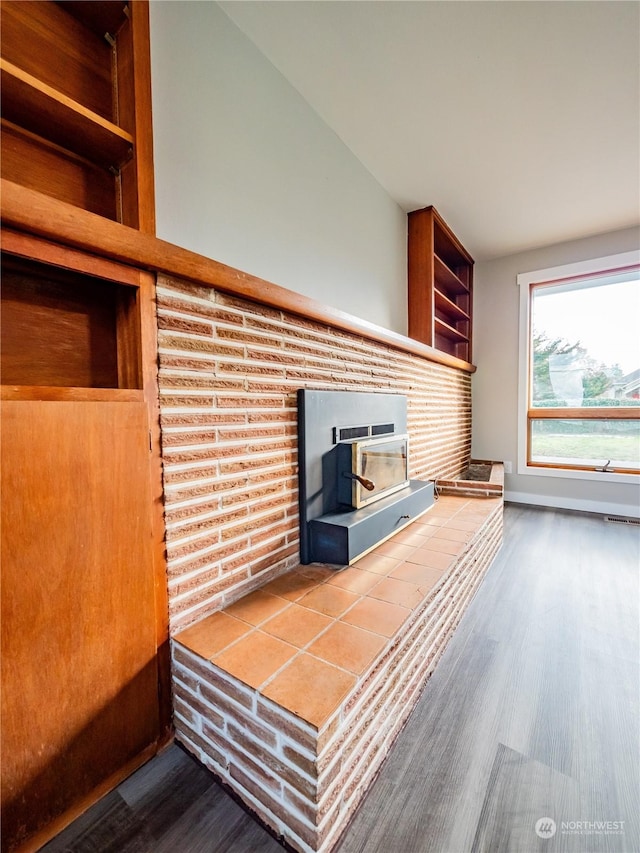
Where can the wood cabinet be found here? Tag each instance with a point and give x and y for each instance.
(85, 665)
(85, 694)
(79, 662)
(440, 293)
(85, 668)
(76, 104)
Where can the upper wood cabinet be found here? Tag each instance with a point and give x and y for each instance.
(76, 104)
(440, 285)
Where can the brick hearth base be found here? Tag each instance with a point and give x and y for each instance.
(293, 695)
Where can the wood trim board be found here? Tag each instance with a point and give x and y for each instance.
(28, 210)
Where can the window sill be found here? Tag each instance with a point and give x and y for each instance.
(576, 474)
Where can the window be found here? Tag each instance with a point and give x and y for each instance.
(580, 370)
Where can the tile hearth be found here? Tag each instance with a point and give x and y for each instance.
(293, 694)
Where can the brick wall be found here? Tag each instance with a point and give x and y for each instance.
(229, 371)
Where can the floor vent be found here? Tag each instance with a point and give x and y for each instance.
(618, 519)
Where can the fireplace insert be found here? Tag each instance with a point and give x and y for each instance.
(372, 468)
(353, 471)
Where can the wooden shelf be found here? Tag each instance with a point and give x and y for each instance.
(77, 395)
(41, 109)
(447, 331)
(446, 306)
(447, 278)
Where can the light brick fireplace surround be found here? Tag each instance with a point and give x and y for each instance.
(291, 682)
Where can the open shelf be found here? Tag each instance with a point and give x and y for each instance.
(76, 104)
(62, 329)
(39, 108)
(447, 278)
(446, 306)
(440, 285)
(447, 331)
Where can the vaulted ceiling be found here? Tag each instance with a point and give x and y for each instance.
(519, 121)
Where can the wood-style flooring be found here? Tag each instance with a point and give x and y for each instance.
(532, 713)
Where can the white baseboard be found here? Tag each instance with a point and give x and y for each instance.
(601, 507)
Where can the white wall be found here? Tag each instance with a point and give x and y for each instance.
(247, 173)
(495, 384)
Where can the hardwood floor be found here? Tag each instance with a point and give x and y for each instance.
(533, 712)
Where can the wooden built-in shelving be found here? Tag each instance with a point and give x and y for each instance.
(76, 105)
(39, 108)
(83, 538)
(440, 285)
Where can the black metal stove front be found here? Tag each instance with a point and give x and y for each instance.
(353, 473)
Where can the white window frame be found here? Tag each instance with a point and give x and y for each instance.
(581, 268)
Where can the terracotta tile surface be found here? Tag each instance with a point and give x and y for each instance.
(378, 616)
(417, 599)
(291, 586)
(441, 512)
(211, 635)
(446, 546)
(477, 510)
(452, 502)
(424, 576)
(394, 548)
(447, 532)
(435, 559)
(321, 627)
(255, 658)
(458, 523)
(355, 580)
(315, 572)
(290, 689)
(396, 592)
(414, 536)
(329, 599)
(432, 520)
(256, 607)
(348, 647)
(377, 563)
(297, 625)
